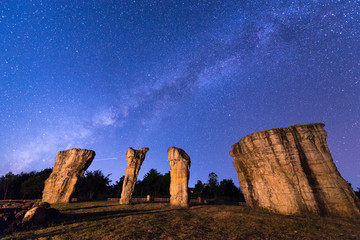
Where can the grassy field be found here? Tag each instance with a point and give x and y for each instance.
(108, 220)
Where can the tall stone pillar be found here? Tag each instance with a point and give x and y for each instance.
(134, 159)
(179, 176)
(291, 171)
(69, 166)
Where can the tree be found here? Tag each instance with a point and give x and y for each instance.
(33, 186)
(152, 182)
(199, 186)
(165, 185)
(23, 185)
(44, 174)
(213, 184)
(213, 179)
(6, 183)
(11, 184)
(228, 189)
(117, 187)
(92, 185)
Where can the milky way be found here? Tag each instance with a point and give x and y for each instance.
(199, 75)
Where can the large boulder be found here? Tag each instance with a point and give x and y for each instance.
(69, 166)
(291, 171)
(36, 215)
(134, 159)
(179, 176)
(21, 217)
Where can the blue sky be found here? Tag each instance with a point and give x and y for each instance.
(199, 75)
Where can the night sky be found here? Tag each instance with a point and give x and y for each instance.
(199, 75)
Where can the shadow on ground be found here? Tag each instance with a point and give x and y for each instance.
(76, 219)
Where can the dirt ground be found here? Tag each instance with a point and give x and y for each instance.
(109, 220)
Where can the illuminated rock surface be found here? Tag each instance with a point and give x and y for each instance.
(179, 176)
(69, 166)
(134, 159)
(291, 171)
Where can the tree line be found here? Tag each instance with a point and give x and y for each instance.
(23, 185)
(94, 185)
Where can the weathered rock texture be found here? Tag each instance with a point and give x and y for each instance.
(134, 158)
(291, 171)
(69, 166)
(179, 176)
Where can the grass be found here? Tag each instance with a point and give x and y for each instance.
(109, 220)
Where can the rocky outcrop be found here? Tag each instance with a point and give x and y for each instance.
(179, 176)
(134, 159)
(36, 215)
(291, 171)
(69, 166)
(21, 214)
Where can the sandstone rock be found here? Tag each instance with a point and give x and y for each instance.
(35, 215)
(291, 171)
(69, 166)
(179, 176)
(134, 159)
(13, 219)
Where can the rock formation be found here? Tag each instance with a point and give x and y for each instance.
(21, 214)
(35, 215)
(179, 176)
(69, 166)
(134, 159)
(291, 171)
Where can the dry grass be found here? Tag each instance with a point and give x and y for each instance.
(108, 220)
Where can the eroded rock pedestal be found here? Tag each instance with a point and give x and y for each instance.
(179, 176)
(69, 166)
(291, 171)
(134, 159)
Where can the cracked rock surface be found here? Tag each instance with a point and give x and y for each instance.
(179, 176)
(69, 166)
(134, 159)
(291, 171)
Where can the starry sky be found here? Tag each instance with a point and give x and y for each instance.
(199, 75)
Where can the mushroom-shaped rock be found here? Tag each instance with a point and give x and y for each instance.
(134, 159)
(69, 166)
(291, 171)
(179, 176)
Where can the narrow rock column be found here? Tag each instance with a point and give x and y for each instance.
(134, 159)
(179, 176)
(69, 166)
(291, 171)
